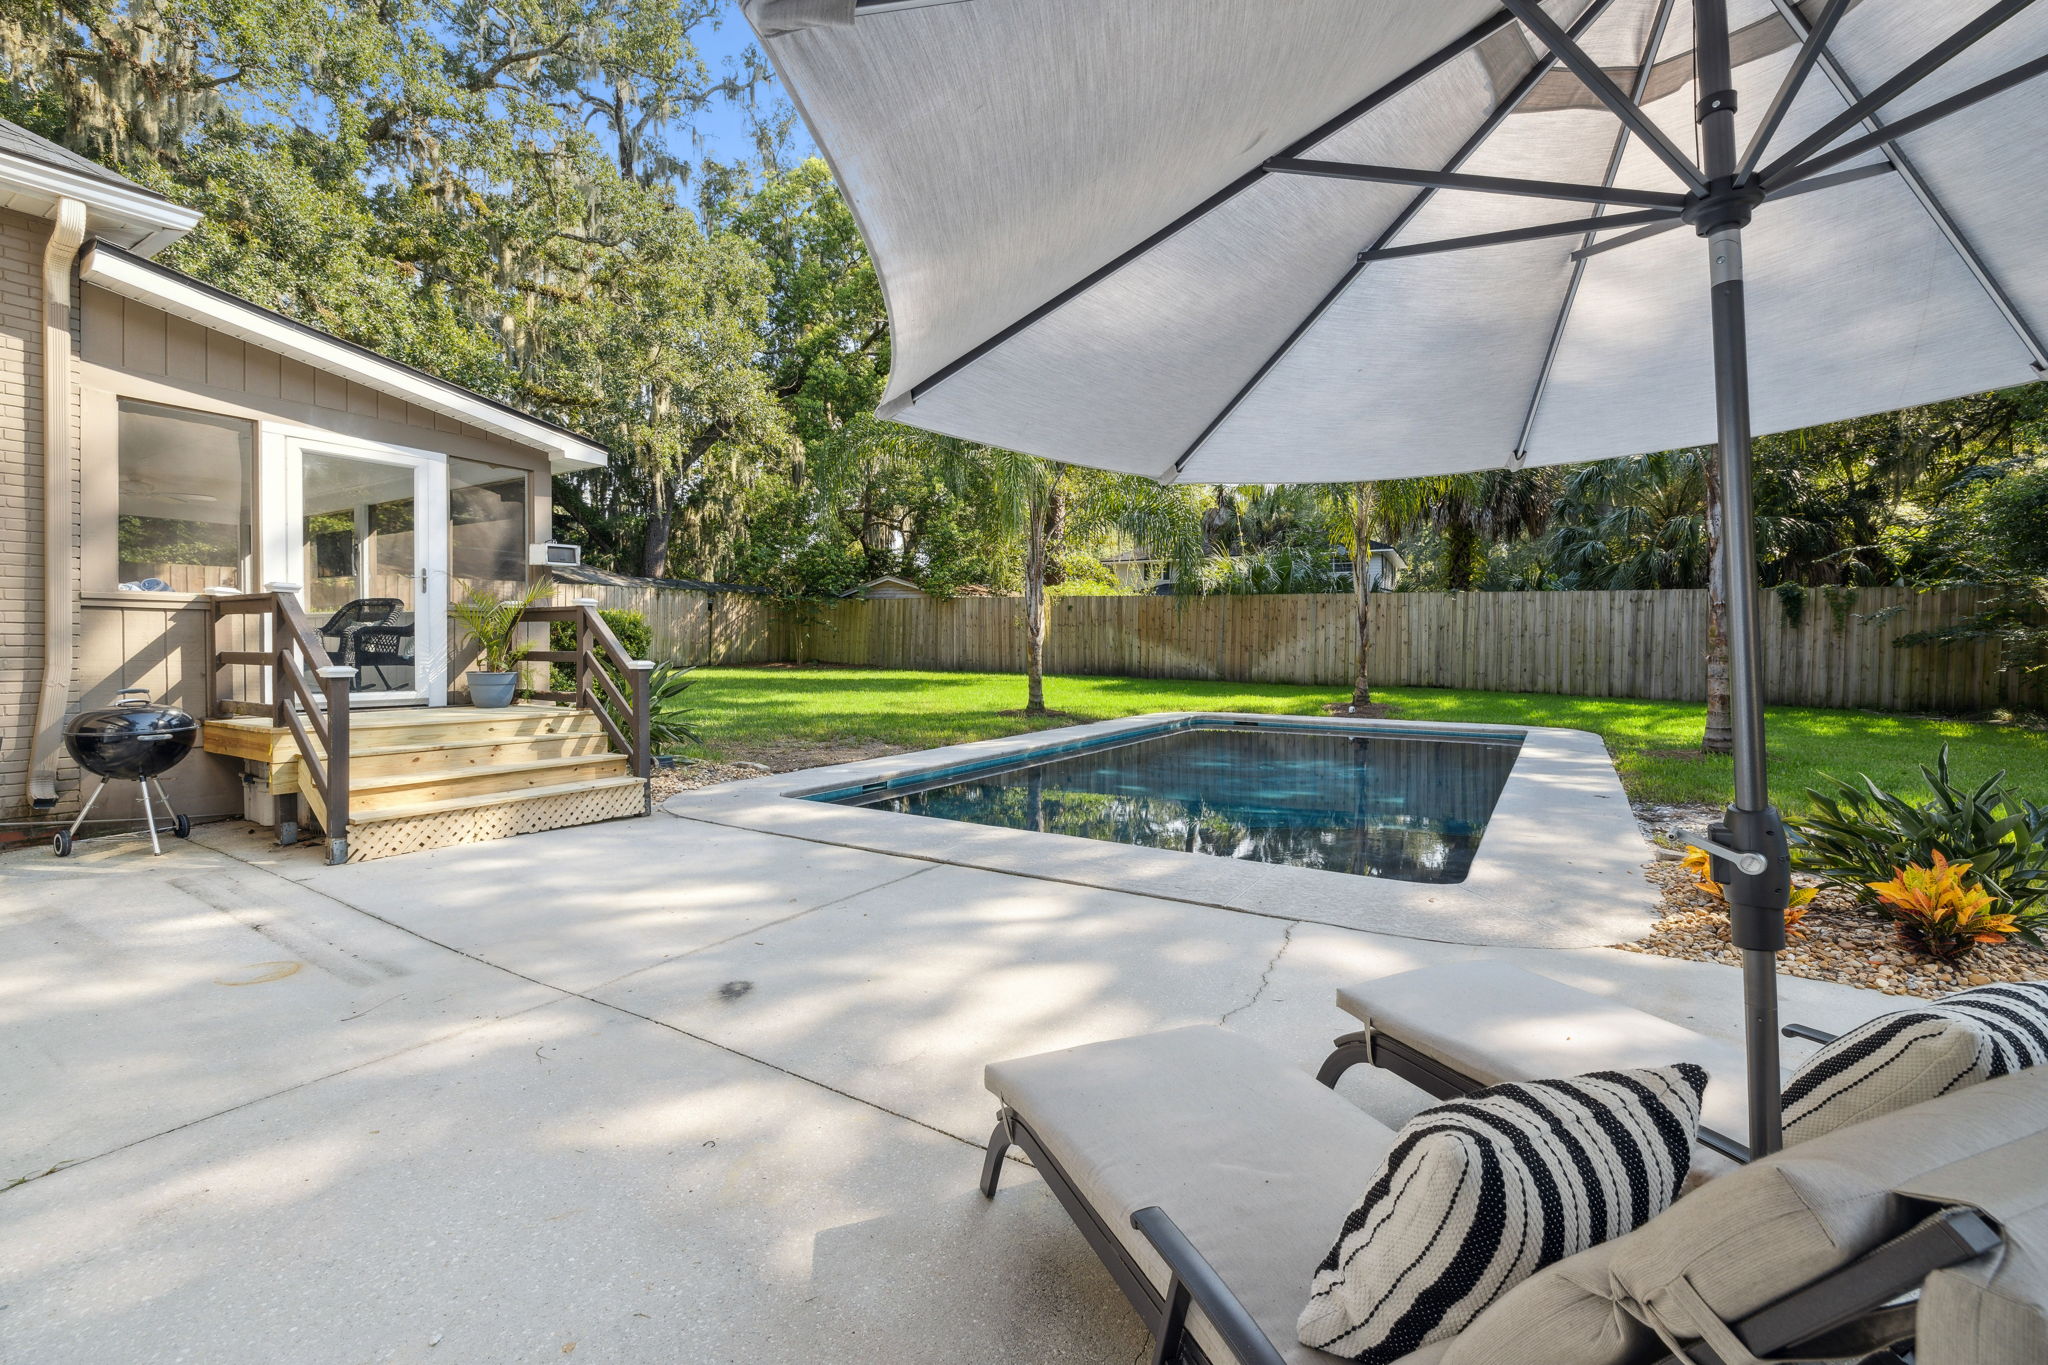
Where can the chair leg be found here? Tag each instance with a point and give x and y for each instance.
(999, 1143)
(1353, 1049)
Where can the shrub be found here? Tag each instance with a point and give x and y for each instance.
(629, 626)
(1939, 912)
(1861, 836)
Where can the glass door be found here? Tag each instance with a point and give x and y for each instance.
(368, 547)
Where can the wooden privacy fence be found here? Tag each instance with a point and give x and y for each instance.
(696, 627)
(1840, 653)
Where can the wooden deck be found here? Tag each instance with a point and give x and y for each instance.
(422, 778)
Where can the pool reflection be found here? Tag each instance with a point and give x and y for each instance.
(1412, 809)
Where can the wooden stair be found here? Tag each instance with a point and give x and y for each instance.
(429, 778)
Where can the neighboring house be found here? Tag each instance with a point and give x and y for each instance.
(888, 585)
(163, 442)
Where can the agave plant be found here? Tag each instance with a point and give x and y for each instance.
(667, 725)
(1860, 836)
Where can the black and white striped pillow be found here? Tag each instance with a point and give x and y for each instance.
(1900, 1059)
(1482, 1192)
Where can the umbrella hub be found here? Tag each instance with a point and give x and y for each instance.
(1724, 204)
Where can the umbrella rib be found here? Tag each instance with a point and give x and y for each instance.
(1521, 234)
(1660, 21)
(1457, 47)
(1482, 184)
(2037, 351)
(1788, 90)
(1566, 49)
(1486, 127)
(1914, 122)
(1914, 72)
(1626, 239)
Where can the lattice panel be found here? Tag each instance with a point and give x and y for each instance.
(481, 824)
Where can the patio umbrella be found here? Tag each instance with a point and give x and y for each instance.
(1243, 240)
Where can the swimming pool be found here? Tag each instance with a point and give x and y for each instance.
(1411, 806)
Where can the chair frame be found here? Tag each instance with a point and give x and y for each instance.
(1846, 1298)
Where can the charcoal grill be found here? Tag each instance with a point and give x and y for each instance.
(134, 740)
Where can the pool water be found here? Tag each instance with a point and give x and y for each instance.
(1405, 806)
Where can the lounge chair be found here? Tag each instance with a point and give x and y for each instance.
(1454, 1029)
(1211, 1176)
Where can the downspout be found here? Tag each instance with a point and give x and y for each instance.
(59, 499)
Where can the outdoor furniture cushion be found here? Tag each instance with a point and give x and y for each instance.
(1915, 1054)
(1746, 1239)
(1246, 1153)
(1480, 1193)
(1495, 1022)
(1992, 1311)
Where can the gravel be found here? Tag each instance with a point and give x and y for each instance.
(1842, 942)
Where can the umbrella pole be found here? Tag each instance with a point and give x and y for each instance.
(1756, 900)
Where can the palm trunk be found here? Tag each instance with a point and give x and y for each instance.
(1361, 588)
(1719, 736)
(1034, 604)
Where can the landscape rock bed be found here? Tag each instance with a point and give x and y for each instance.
(1842, 942)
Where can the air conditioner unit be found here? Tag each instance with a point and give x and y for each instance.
(554, 554)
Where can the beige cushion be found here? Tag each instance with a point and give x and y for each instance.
(1994, 1310)
(1251, 1158)
(1749, 1237)
(1495, 1022)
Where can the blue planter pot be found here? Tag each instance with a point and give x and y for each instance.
(492, 689)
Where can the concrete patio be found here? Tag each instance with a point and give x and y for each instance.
(653, 1091)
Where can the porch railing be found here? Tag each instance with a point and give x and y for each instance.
(307, 694)
(626, 715)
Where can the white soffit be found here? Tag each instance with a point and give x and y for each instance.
(143, 222)
(122, 273)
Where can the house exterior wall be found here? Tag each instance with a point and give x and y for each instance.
(22, 501)
(159, 641)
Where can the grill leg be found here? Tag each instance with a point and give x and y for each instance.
(149, 817)
(86, 809)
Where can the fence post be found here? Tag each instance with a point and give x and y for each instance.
(336, 682)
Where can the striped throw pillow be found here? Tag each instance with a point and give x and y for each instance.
(1482, 1192)
(1900, 1059)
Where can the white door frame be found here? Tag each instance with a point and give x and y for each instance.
(281, 519)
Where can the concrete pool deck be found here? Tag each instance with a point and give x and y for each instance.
(1558, 866)
(654, 1091)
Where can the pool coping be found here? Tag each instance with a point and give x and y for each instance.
(1560, 866)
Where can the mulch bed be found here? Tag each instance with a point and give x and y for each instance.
(1372, 710)
(1842, 942)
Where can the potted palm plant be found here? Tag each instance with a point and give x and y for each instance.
(492, 625)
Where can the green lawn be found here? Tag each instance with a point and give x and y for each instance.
(748, 712)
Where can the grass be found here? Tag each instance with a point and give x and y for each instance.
(744, 712)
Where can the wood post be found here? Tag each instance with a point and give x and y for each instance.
(336, 683)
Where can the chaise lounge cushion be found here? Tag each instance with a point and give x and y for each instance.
(1748, 1238)
(1993, 1310)
(1495, 1022)
(1250, 1158)
(1911, 1055)
(1481, 1193)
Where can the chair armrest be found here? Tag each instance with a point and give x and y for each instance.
(1195, 1279)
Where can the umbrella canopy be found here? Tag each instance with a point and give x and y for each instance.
(1240, 240)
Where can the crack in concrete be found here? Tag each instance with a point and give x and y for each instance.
(1266, 976)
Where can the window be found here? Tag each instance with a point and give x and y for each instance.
(486, 526)
(185, 510)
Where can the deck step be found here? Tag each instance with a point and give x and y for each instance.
(425, 785)
(395, 760)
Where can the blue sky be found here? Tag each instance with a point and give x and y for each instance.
(725, 131)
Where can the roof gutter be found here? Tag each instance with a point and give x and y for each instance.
(60, 497)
